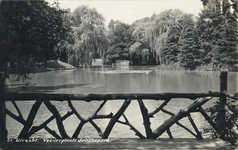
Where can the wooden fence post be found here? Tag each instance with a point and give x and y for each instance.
(222, 103)
(3, 130)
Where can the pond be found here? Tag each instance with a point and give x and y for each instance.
(120, 79)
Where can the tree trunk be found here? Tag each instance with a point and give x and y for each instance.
(3, 130)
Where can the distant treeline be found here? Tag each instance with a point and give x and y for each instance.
(33, 32)
(172, 37)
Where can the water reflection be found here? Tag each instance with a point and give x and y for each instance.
(84, 81)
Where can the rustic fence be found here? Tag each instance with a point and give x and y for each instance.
(45, 99)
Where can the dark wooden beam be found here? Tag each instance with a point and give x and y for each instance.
(102, 97)
(199, 135)
(79, 128)
(115, 118)
(131, 127)
(170, 134)
(169, 122)
(30, 119)
(146, 118)
(59, 120)
(3, 130)
(222, 103)
(17, 118)
(208, 119)
(151, 114)
(18, 110)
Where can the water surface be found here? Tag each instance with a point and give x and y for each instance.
(136, 79)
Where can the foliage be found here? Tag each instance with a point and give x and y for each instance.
(64, 47)
(217, 31)
(135, 53)
(205, 28)
(157, 33)
(29, 32)
(87, 38)
(120, 42)
(111, 24)
(170, 51)
(153, 34)
(174, 36)
(229, 132)
(189, 53)
(33, 32)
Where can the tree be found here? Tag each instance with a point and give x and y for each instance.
(230, 55)
(189, 54)
(111, 24)
(135, 54)
(90, 39)
(29, 32)
(224, 49)
(120, 42)
(141, 54)
(157, 33)
(170, 49)
(205, 28)
(64, 47)
(217, 30)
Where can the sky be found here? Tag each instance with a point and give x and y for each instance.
(129, 11)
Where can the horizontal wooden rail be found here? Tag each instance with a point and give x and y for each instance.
(99, 97)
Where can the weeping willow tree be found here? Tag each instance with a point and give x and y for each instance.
(140, 30)
(157, 32)
(89, 37)
(154, 32)
(135, 53)
(140, 51)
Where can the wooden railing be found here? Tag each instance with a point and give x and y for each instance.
(46, 99)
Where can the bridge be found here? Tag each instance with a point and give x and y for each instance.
(150, 138)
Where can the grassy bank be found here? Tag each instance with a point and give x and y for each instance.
(52, 65)
(200, 68)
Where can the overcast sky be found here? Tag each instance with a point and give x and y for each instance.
(128, 11)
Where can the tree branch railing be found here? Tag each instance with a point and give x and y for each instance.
(29, 130)
(198, 99)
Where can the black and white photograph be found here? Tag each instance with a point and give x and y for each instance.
(119, 74)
